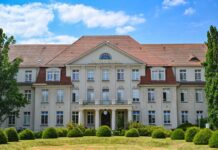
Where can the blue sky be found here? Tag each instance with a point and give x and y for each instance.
(148, 21)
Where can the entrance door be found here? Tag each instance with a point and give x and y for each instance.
(106, 119)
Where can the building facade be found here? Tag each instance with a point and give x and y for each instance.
(110, 80)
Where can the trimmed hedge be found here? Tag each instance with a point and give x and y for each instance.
(144, 131)
(26, 135)
(12, 134)
(38, 135)
(202, 137)
(185, 126)
(132, 133)
(62, 132)
(190, 133)
(103, 131)
(178, 134)
(3, 137)
(159, 133)
(50, 132)
(75, 132)
(90, 132)
(167, 132)
(213, 141)
(135, 125)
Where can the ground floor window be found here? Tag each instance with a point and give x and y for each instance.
(26, 118)
(59, 117)
(136, 116)
(90, 118)
(44, 118)
(75, 117)
(151, 117)
(11, 119)
(184, 116)
(167, 117)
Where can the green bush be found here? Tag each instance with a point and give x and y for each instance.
(159, 133)
(202, 137)
(90, 132)
(144, 131)
(3, 137)
(38, 135)
(103, 131)
(190, 133)
(185, 126)
(178, 134)
(122, 132)
(135, 125)
(50, 132)
(75, 132)
(26, 135)
(82, 128)
(12, 134)
(116, 133)
(147, 130)
(132, 133)
(62, 132)
(213, 141)
(167, 132)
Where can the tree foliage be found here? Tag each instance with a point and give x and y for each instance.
(211, 75)
(11, 100)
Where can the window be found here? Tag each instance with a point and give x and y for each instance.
(166, 95)
(199, 114)
(105, 56)
(182, 75)
(45, 95)
(120, 74)
(136, 116)
(135, 74)
(105, 94)
(11, 119)
(90, 75)
(157, 74)
(26, 118)
(75, 75)
(90, 95)
(60, 96)
(198, 75)
(183, 95)
(28, 95)
(135, 95)
(199, 95)
(75, 117)
(59, 117)
(151, 95)
(167, 117)
(90, 118)
(44, 118)
(184, 116)
(28, 76)
(53, 75)
(120, 94)
(151, 117)
(105, 75)
(75, 95)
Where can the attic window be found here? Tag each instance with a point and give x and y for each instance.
(105, 56)
(194, 58)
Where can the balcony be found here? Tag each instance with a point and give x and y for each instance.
(105, 102)
(121, 102)
(88, 102)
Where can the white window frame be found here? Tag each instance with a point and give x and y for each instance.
(90, 95)
(198, 74)
(45, 94)
(199, 95)
(53, 74)
(90, 118)
(90, 75)
(151, 117)
(44, 117)
(135, 95)
(136, 116)
(75, 75)
(167, 117)
(28, 75)
(60, 95)
(184, 116)
(185, 94)
(151, 95)
(120, 74)
(105, 74)
(28, 94)
(135, 74)
(26, 118)
(183, 75)
(200, 114)
(59, 117)
(11, 119)
(120, 94)
(158, 74)
(167, 91)
(105, 94)
(75, 93)
(75, 117)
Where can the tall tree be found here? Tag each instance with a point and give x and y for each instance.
(11, 100)
(211, 76)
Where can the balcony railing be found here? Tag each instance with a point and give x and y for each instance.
(105, 102)
(88, 102)
(121, 102)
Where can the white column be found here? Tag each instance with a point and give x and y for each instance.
(96, 118)
(113, 125)
(129, 115)
(81, 119)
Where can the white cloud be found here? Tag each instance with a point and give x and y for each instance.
(93, 17)
(171, 3)
(189, 11)
(124, 30)
(60, 39)
(26, 20)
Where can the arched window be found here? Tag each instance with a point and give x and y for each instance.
(105, 56)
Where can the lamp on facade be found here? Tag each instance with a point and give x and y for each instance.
(105, 112)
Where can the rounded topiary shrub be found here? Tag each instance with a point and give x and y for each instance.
(144, 131)
(132, 133)
(103, 131)
(185, 126)
(3, 137)
(75, 132)
(190, 133)
(159, 133)
(178, 134)
(26, 135)
(12, 134)
(62, 132)
(202, 137)
(38, 135)
(213, 141)
(90, 132)
(167, 132)
(116, 133)
(50, 132)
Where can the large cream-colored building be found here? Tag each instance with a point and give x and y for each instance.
(110, 80)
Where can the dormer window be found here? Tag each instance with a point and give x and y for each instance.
(53, 74)
(158, 74)
(105, 56)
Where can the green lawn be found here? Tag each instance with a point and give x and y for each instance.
(100, 143)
